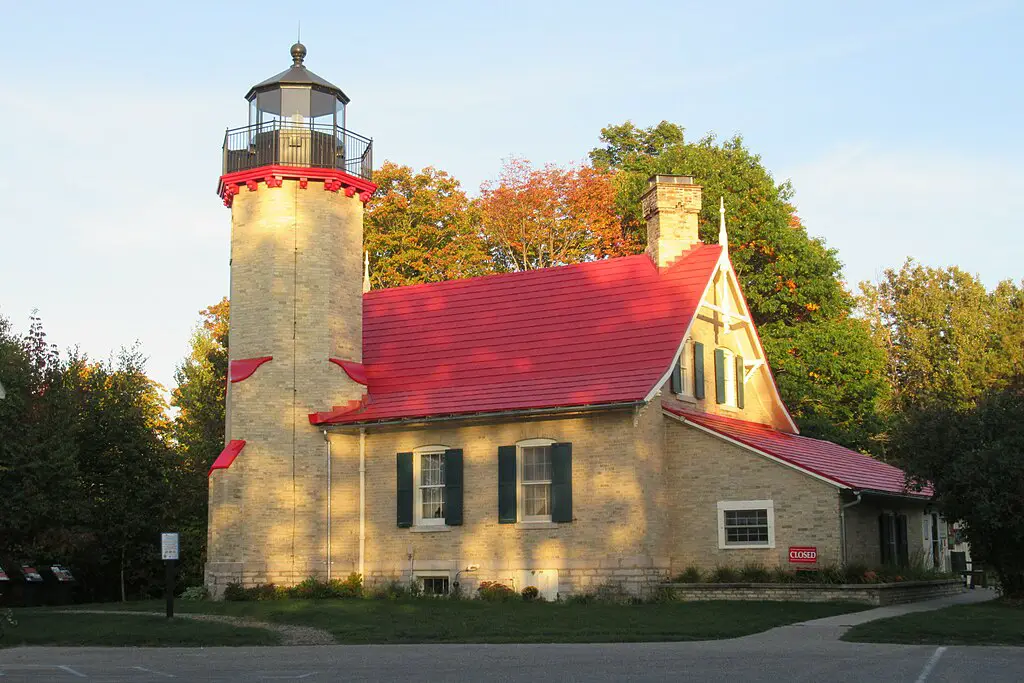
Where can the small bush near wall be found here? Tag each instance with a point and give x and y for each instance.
(492, 591)
(310, 589)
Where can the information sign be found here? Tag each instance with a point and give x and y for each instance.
(169, 546)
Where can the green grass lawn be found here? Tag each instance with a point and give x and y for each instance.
(49, 627)
(986, 623)
(474, 621)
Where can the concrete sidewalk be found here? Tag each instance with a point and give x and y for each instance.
(832, 628)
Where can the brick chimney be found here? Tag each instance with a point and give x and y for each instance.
(671, 206)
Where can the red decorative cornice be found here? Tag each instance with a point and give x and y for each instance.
(227, 456)
(333, 180)
(356, 371)
(244, 367)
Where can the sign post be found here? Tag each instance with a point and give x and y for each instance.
(169, 553)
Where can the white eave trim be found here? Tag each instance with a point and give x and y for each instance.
(756, 451)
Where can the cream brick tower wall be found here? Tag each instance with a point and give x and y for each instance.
(296, 295)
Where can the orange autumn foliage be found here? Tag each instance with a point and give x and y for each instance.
(540, 217)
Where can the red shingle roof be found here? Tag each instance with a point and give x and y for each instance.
(594, 333)
(824, 458)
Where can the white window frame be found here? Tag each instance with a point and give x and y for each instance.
(730, 379)
(686, 380)
(417, 455)
(520, 499)
(419, 576)
(723, 505)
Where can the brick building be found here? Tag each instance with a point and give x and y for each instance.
(609, 422)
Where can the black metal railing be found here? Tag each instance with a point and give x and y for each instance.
(286, 143)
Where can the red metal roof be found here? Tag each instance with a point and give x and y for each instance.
(824, 458)
(594, 333)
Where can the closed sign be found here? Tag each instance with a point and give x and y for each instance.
(803, 554)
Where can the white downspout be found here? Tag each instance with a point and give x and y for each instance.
(362, 500)
(842, 522)
(329, 558)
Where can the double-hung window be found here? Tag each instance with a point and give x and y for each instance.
(430, 487)
(535, 483)
(729, 369)
(746, 524)
(535, 478)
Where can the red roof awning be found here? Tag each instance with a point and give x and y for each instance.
(227, 456)
(244, 367)
(825, 459)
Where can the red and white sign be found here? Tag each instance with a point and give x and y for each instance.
(803, 554)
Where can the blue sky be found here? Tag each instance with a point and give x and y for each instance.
(898, 124)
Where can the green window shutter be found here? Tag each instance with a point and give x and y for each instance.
(720, 375)
(507, 484)
(739, 381)
(677, 377)
(882, 541)
(902, 551)
(453, 487)
(698, 370)
(405, 489)
(561, 482)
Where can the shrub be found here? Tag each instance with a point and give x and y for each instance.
(314, 588)
(531, 593)
(754, 572)
(195, 594)
(724, 575)
(492, 591)
(392, 590)
(234, 592)
(690, 575)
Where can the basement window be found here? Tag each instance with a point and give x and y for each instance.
(434, 585)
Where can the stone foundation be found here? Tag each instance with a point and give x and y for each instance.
(878, 594)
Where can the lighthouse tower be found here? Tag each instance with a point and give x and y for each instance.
(295, 180)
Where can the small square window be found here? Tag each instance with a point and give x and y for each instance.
(434, 585)
(746, 524)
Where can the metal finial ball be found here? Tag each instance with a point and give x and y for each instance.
(298, 53)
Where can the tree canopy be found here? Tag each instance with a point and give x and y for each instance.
(421, 227)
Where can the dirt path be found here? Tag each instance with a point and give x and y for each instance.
(290, 633)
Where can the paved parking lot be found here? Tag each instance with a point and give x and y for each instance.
(745, 659)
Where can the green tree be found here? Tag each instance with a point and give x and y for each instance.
(421, 227)
(974, 458)
(948, 341)
(791, 281)
(39, 483)
(198, 433)
(125, 465)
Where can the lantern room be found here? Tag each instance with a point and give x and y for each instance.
(297, 118)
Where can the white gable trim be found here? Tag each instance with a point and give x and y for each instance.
(756, 451)
(725, 263)
(686, 335)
